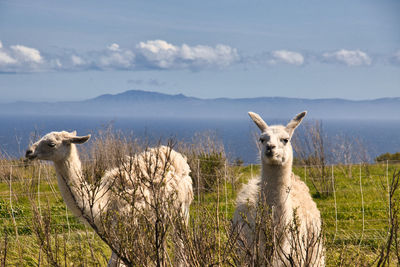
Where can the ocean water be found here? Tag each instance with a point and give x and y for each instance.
(237, 135)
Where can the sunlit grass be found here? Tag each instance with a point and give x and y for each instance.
(355, 216)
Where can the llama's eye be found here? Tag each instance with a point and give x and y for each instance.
(261, 140)
(51, 144)
(285, 140)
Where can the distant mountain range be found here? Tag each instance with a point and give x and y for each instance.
(143, 104)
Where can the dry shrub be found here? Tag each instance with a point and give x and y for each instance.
(310, 147)
(136, 220)
(207, 160)
(58, 247)
(390, 250)
(267, 246)
(139, 232)
(313, 149)
(157, 235)
(345, 151)
(257, 251)
(209, 239)
(142, 224)
(3, 249)
(136, 223)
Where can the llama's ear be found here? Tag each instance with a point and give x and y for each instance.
(73, 133)
(295, 122)
(258, 121)
(79, 139)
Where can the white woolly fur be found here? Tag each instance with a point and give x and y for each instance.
(60, 148)
(284, 194)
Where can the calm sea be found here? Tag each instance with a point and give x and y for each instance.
(237, 135)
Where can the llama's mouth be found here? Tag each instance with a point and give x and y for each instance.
(269, 153)
(29, 155)
(273, 158)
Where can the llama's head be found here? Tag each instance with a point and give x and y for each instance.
(276, 148)
(55, 146)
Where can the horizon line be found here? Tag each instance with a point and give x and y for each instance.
(199, 98)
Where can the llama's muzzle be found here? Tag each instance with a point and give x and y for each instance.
(269, 150)
(29, 154)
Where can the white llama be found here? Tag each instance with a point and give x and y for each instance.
(88, 205)
(295, 219)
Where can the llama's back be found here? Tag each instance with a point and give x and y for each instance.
(156, 165)
(161, 166)
(307, 209)
(177, 176)
(180, 182)
(246, 208)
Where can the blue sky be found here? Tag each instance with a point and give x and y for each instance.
(70, 50)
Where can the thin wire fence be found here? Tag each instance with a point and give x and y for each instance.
(354, 209)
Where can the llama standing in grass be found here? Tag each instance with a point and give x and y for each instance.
(91, 205)
(295, 220)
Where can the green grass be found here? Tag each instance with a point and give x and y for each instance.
(361, 204)
(355, 216)
(345, 223)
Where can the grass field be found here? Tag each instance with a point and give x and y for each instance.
(355, 212)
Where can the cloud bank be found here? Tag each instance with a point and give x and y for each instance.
(348, 57)
(161, 55)
(288, 57)
(20, 58)
(154, 54)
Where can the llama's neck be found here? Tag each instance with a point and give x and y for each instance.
(276, 189)
(71, 182)
(70, 168)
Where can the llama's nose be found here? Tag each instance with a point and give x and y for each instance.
(28, 152)
(268, 149)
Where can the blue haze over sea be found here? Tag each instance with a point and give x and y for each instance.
(237, 134)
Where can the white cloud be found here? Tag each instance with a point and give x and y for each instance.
(349, 57)
(77, 61)
(19, 58)
(222, 55)
(161, 54)
(27, 54)
(113, 47)
(288, 57)
(5, 59)
(158, 52)
(157, 46)
(118, 60)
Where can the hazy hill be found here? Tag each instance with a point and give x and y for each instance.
(142, 104)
